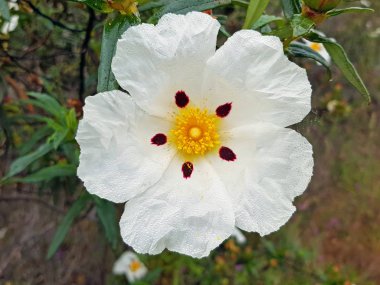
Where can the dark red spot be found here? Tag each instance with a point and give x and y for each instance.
(187, 169)
(181, 99)
(227, 154)
(223, 110)
(158, 139)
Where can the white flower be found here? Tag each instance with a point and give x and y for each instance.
(200, 145)
(10, 26)
(130, 265)
(319, 48)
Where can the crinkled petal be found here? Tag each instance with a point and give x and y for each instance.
(117, 159)
(154, 62)
(273, 166)
(190, 216)
(252, 72)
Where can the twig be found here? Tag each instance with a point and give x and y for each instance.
(54, 22)
(31, 199)
(82, 65)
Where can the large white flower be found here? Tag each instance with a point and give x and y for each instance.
(200, 144)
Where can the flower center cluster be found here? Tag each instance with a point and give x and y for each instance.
(195, 131)
(134, 266)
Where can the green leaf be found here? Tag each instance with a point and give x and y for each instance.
(98, 5)
(107, 215)
(336, 12)
(265, 20)
(48, 173)
(298, 49)
(112, 31)
(340, 58)
(24, 161)
(153, 4)
(34, 139)
(255, 9)
(47, 103)
(291, 7)
(185, 6)
(4, 10)
(66, 223)
(301, 25)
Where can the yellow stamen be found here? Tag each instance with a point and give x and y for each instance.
(134, 265)
(195, 131)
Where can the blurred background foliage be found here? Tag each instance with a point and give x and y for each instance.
(53, 232)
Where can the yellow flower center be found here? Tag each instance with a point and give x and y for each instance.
(316, 47)
(134, 266)
(195, 131)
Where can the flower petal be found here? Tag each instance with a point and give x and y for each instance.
(252, 72)
(273, 166)
(190, 216)
(118, 160)
(153, 63)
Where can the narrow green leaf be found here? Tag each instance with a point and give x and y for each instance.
(47, 103)
(298, 49)
(112, 31)
(185, 6)
(98, 5)
(255, 9)
(301, 25)
(336, 12)
(339, 56)
(265, 20)
(38, 135)
(48, 173)
(66, 223)
(24, 161)
(107, 215)
(153, 4)
(4, 10)
(291, 7)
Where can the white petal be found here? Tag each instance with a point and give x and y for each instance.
(154, 62)
(117, 159)
(252, 72)
(273, 166)
(190, 216)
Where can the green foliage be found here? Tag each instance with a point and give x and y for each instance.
(66, 223)
(291, 7)
(301, 25)
(4, 10)
(298, 49)
(24, 161)
(98, 5)
(340, 58)
(336, 12)
(254, 12)
(48, 173)
(185, 6)
(113, 29)
(106, 212)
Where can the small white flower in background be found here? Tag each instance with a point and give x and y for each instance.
(10, 26)
(239, 236)
(201, 145)
(319, 48)
(365, 3)
(130, 265)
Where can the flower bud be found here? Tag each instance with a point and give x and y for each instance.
(322, 5)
